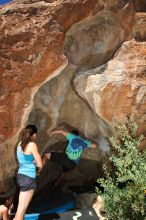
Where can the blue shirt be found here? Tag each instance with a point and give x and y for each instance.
(75, 147)
(26, 164)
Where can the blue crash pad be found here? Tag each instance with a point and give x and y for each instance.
(59, 204)
(83, 214)
(61, 209)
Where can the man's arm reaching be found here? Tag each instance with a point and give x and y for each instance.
(64, 133)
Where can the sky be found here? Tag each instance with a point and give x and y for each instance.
(4, 1)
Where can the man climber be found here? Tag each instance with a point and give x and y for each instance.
(72, 154)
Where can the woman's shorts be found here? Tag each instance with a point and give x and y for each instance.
(62, 159)
(26, 183)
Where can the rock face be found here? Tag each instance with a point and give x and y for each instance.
(101, 76)
(140, 5)
(32, 37)
(57, 105)
(140, 27)
(117, 88)
(31, 45)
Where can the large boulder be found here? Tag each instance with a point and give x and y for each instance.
(92, 42)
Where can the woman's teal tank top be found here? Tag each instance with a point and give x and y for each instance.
(26, 164)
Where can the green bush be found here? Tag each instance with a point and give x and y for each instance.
(124, 187)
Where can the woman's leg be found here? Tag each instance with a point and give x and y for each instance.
(24, 200)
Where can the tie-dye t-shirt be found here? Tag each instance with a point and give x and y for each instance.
(75, 147)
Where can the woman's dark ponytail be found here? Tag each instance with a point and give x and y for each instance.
(26, 135)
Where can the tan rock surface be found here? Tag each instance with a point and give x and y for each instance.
(118, 89)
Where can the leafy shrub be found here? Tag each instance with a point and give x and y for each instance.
(124, 187)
